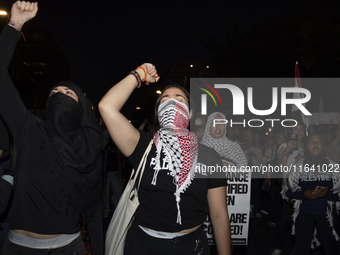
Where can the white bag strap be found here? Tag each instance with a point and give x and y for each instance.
(141, 165)
(144, 159)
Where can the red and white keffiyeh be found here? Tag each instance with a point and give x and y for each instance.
(177, 144)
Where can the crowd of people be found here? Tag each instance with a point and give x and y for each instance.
(288, 198)
(64, 168)
(305, 201)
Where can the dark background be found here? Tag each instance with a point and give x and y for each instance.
(103, 40)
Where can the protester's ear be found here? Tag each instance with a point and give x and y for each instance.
(191, 113)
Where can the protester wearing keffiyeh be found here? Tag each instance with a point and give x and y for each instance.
(228, 150)
(309, 174)
(178, 145)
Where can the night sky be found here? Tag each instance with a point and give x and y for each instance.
(104, 40)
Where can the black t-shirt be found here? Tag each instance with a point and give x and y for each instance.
(158, 209)
(34, 207)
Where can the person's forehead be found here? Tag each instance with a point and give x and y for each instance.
(213, 124)
(218, 116)
(315, 138)
(174, 91)
(62, 87)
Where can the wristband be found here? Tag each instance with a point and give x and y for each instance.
(136, 74)
(145, 75)
(18, 27)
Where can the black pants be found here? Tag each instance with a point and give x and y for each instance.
(304, 228)
(76, 247)
(275, 201)
(138, 242)
(256, 193)
(284, 226)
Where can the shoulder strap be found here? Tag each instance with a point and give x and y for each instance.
(144, 159)
(141, 166)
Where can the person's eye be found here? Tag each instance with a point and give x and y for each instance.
(53, 92)
(164, 99)
(69, 92)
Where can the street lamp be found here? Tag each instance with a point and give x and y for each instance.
(4, 16)
(3, 13)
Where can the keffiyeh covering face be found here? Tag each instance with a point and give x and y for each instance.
(223, 146)
(177, 144)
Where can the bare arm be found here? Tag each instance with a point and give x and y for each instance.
(220, 219)
(122, 132)
(12, 109)
(22, 12)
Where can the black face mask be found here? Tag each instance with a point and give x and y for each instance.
(73, 143)
(65, 115)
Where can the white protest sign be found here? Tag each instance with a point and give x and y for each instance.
(238, 201)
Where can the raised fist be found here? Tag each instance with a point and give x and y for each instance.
(22, 12)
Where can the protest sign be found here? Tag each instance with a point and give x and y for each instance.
(238, 201)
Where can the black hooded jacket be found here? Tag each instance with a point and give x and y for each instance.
(57, 175)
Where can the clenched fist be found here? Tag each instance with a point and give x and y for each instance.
(22, 12)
